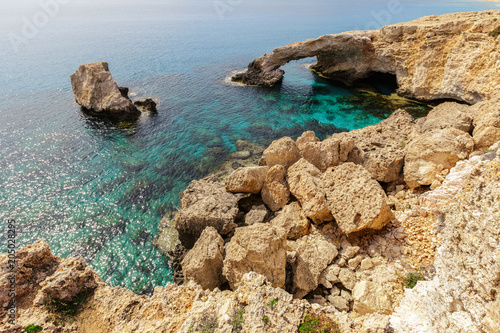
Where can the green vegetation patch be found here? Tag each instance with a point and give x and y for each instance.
(494, 33)
(411, 279)
(314, 323)
(238, 320)
(33, 328)
(62, 312)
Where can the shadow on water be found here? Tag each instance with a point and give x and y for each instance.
(105, 123)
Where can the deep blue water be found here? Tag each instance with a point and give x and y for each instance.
(97, 189)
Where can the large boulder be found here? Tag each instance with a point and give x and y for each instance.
(448, 115)
(486, 123)
(434, 153)
(246, 180)
(283, 151)
(314, 254)
(327, 153)
(275, 192)
(293, 220)
(205, 203)
(356, 200)
(380, 148)
(72, 277)
(259, 248)
(203, 263)
(305, 185)
(370, 297)
(96, 90)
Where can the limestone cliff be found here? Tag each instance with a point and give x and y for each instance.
(452, 56)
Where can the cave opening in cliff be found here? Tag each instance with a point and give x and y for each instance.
(385, 83)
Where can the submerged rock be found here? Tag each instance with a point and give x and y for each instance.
(205, 203)
(146, 104)
(96, 90)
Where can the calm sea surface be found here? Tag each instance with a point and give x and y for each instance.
(97, 189)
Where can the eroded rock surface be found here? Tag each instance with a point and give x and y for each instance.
(451, 56)
(355, 199)
(203, 263)
(96, 90)
(257, 248)
(246, 180)
(293, 220)
(283, 152)
(275, 192)
(205, 203)
(486, 123)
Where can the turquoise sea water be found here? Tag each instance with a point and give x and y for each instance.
(99, 189)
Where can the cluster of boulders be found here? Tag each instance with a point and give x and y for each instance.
(292, 218)
(98, 93)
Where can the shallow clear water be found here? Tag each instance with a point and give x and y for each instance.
(98, 189)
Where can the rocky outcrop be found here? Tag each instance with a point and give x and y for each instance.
(314, 254)
(486, 123)
(293, 220)
(146, 105)
(380, 148)
(283, 152)
(355, 199)
(430, 156)
(305, 185)
(205, 203)
(463, 296)
(246, 180)
(452, 56)
(258, 248)
(448, 115)
(96, 90)
(275, 192)
(203, 263)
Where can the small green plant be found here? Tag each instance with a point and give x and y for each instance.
(403, 144)
(411, 279)
(63, 311)
(33, 328)
(272, 302)
(317, 324)
(209, 325)
(494, 33)
(265, 319)
(238, 320)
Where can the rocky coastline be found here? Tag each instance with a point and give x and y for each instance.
(390, 228)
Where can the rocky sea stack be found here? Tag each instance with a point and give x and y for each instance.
(97, 92)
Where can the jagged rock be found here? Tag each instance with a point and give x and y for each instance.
(72, 277)
(306, 137)
(257, 248)
(349, 252)
(366, 264)
(146, 105)
(463, 294)
(246, 180)
(203, 263)
(339, 303)
(256, 215)
(355, 262)
(433, 153)
(370, 297)
(356, 200)
(330, 276)
(283, 152)
(458, 63)
(348, 278)
(325, 154)
(34, 263)
(305, 185)
(96, 90)
(486, 123)
(448, 115)
(314, 254)
(205, 203)
(275, 192)
(293, 220)
(380, 148)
